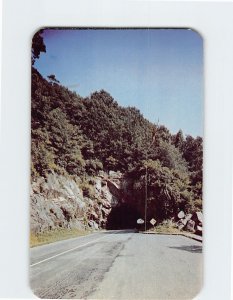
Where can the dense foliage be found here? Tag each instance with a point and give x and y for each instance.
(38, 45)
(77, 136)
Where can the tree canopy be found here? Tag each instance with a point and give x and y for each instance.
(81, 136)
(38, 45)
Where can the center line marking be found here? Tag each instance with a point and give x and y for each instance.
(51, 257)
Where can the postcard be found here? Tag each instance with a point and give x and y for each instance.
(116, 206)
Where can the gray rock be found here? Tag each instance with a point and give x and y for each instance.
(190, 226)
(93, 225)
(58, 202)
(199, 216)
(186, 219)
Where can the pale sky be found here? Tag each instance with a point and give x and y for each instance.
(159, 71)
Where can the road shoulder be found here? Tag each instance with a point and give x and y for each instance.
(186, 234)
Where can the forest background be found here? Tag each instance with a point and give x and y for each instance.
(79, 137)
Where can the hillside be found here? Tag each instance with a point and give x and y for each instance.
(80, 140)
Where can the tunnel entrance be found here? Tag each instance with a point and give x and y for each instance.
(122, 217)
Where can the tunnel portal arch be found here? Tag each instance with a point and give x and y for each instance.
(123, 216)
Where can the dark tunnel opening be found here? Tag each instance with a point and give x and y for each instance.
(122, 217)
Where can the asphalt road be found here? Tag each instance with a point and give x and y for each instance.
(118, 265)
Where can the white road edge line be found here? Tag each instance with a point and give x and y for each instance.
(80, 246)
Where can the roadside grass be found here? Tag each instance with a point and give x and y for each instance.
(167, 227)
(54, 236)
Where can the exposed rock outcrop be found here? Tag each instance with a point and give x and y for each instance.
(59, 202)
(191, 222)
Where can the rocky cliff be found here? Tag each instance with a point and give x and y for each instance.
(69, 202)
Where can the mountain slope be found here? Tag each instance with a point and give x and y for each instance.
(78, 138)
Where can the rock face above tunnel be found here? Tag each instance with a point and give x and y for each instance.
(62, 202)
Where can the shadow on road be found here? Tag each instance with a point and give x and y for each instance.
(192, 249)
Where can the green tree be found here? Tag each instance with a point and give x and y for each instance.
(52, 78)
(81, 136)
(178, 140)
(170, 156)
(167, 189)
(38, 45)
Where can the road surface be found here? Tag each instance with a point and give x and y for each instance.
(118, 265)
